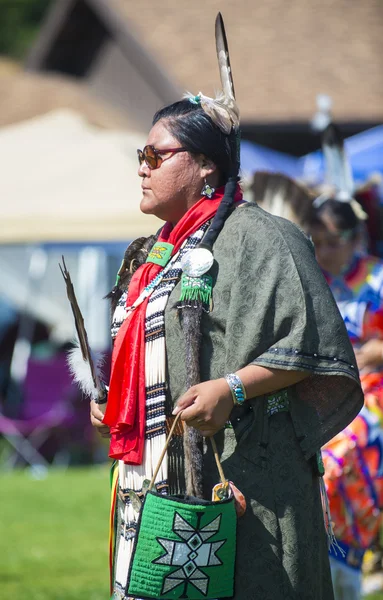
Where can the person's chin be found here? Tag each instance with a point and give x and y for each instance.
(146, 206)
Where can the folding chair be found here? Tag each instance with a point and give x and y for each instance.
(47, 408)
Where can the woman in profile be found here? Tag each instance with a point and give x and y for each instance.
(226, 318)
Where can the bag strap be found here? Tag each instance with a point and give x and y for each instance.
(214, 446)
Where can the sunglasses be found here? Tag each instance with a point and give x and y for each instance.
(154, 157)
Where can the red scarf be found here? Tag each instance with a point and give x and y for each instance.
(125, 411)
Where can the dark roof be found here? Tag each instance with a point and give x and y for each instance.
(283, 53)
(90, 41)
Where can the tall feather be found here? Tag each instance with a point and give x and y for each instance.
(225, 105)
(338, 173)
(87, 374)
(223, 58)
(228, 93)
(338, 170)
(222, 109)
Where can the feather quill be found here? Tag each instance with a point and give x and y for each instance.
(338, 173)
(226, 100)
(338, 170)
(223, 109)
(85, 368)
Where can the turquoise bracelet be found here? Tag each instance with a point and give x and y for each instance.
(237, 388)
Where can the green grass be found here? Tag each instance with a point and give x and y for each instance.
(54, 535)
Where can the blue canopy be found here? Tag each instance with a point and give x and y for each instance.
(258, 158)
(364, 151)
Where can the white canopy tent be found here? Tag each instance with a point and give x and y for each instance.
(66, 187)
(65, 180)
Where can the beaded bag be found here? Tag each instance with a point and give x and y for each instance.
(185, 547)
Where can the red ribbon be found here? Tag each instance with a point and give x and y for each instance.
(125, 411)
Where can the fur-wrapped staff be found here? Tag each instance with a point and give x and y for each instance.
(84, 365)
(196, 283)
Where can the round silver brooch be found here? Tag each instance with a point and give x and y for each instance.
(197, 262)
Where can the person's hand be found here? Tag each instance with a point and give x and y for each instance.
(96, 417)
(206, 406)
(370, 354)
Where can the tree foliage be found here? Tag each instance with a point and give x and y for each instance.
(19, 25)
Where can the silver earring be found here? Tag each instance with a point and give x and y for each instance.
(207, 190)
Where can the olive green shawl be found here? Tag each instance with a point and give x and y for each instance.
(272, 307)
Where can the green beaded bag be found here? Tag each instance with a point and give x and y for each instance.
(184, 547)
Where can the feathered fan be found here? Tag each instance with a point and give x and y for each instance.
(84, 366)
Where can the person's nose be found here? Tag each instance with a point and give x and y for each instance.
(143, 170)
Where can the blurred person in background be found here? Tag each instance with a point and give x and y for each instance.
(354, 474)
(355, 278)
(340, 232)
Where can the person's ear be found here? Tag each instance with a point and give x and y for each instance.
(207, 166)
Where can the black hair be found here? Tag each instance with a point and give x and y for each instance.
(196, 132)
(194, 129)
(340, 213)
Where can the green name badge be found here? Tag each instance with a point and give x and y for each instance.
(160, 253)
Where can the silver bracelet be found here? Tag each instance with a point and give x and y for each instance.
(237, 388)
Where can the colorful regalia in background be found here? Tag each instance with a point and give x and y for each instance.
(354, 481)
(354, 458)
(359, 295)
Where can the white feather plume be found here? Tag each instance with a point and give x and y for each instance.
(81, 372)
(224, 114)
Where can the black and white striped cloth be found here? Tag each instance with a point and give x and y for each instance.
(131, 477)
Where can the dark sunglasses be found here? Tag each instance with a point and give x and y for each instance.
(154, 157)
